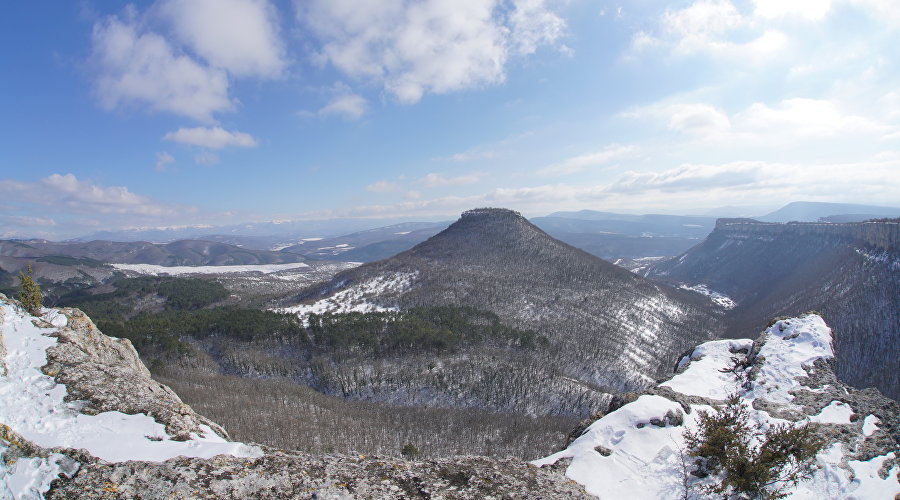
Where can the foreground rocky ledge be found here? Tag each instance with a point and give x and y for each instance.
(80, 417)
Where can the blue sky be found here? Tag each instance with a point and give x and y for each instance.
(176, 112)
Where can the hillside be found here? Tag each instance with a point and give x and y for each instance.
(80, 417)
(639, 451)
(848, 272)
(178, 253)
(607, 330)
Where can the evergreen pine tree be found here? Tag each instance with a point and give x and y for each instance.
(29, 293)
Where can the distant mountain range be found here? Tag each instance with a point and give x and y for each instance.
(848, 272)
(807, 211)
(178, 253)
(608, 329)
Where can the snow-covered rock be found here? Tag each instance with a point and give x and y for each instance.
(69, 386)
(638, 451)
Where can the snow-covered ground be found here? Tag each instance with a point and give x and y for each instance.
(154, 270)
(33, 405)
(635, 453)
(354, 298)
(720, 299)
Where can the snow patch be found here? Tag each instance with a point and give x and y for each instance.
(355, 298)
(836, 412)
(791, 346)
(154, 270)
(707, 374)
(870, 425)
(719, 299)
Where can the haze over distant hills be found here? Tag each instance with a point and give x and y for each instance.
(807, 211)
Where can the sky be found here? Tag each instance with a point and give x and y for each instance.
(174, 113)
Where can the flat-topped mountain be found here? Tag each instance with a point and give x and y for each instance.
(848, 272)
(606, 329)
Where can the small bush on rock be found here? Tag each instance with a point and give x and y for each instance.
(751, 463)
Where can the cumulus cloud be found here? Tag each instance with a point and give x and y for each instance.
(179, 55)
(383, 187)
(239, 36)
(434, 180)
(585, 161)
(713, 28)
(211, 137)
(206, 158)
(747, 183)
(347, 105)
(810, 9)
(416, 46)
(142, 68)
(760, 123)
(73, 195)
(163, 159)
(690, 177)
(804, 118)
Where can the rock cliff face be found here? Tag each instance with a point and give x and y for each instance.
(882, 235)
(80, 417)
(108, 375)
(847, 272)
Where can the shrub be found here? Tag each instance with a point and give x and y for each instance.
(751, 463)
(29, 293)
(409, 451)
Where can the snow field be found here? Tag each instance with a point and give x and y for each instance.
(154, 270)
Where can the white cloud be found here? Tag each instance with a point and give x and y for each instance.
(348, 105)
(582, 162)
(211, 137)
(739, 183)
(412, 47)
(68, 194)
(206, 158)
(434, 180)
(802, 118)
(714, 28)
(163, 159)
(697, 118)
(885, 11)
(787, 121)
(810, 9)
(240, 36)
(534, 25)
(383, 187)
(143, 68)
(703, 18)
